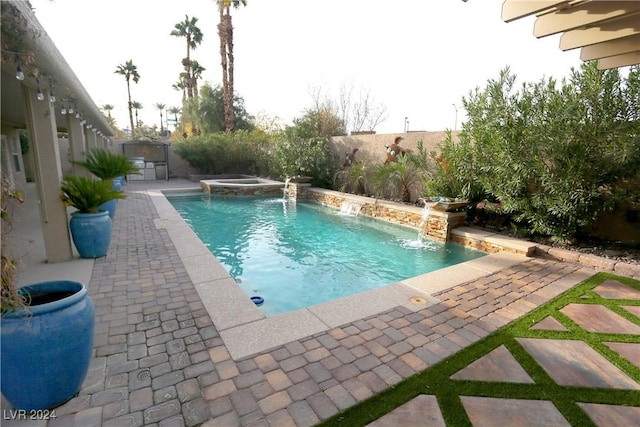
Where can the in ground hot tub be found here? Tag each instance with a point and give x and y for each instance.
(242, 185)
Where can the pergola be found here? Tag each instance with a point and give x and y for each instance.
(607, 31)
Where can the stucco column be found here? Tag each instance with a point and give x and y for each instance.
(43, 136)
(78, 145)
(91, 139)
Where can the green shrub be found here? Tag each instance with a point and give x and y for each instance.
(402, 180)
(310, 157)
(554, 156)
(220, 153)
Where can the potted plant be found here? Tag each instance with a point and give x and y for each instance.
(109, 167)
(90, 226)
(46, 332)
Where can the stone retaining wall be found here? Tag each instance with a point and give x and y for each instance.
(438, 225)
(589, 260)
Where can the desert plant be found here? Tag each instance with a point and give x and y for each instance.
(86, 194)
(354, 179)
(11, 299)
(402, 180)
(106, 165)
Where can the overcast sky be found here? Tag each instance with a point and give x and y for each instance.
(417, 58)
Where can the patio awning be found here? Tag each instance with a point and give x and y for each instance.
(606, 31)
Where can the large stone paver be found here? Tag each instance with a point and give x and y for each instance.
(598, 318)
(497, 366)
(612, 415)
(422, 410)
(492, 412)
(613, 289)
(574, 363)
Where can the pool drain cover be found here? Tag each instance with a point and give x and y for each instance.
(418, 300)
(144, 374)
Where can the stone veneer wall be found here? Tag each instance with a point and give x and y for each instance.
(241, 190)
(438, 225)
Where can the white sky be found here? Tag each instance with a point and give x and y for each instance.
(416, 57)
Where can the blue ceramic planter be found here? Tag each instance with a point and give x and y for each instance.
(91, 233)
(46, 350)
(110, 207)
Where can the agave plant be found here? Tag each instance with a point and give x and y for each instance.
(86, 194)
(106, 165)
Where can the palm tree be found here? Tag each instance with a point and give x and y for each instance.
(129, 71)
(196, 73)
(137, 106)
(225, 32)
(108, 108)
(188, 29)
(180, 85)
(175, 111)
(160, 106)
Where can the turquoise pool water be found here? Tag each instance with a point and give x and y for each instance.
(298, 254)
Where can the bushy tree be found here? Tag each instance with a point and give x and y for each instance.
(208, 111)
(308, 157)
(321, 122)
(554, 155)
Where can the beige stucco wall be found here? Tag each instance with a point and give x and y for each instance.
(371, 147)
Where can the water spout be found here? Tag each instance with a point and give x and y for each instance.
(350, 208)
(426, 211)
(285, 190)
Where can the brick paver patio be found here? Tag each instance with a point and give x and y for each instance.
(159, 360)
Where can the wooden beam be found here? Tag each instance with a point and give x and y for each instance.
(611, 30)
(611, 48)
(582, 15)
(619, 61)
(516, 9)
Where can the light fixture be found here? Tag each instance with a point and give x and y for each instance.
(63, 110)
(19, 73)
(89, 125)
(94, 130)
(52, 96)
(39, 94)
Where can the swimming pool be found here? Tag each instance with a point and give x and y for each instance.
(299, 254)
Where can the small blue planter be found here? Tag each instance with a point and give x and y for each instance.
(46, 349)
(91, 233)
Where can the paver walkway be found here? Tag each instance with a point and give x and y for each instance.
(159, 360)
(495, 386)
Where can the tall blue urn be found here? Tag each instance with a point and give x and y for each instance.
(111, 205)
(91, 233)
(46, 349)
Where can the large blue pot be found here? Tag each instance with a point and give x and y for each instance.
(110, 207)
(91, 233)
(46, 349)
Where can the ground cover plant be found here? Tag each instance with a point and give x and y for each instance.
(437, 380)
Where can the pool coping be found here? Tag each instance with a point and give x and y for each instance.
(245, 330)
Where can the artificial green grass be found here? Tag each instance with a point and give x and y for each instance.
(436, 379)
